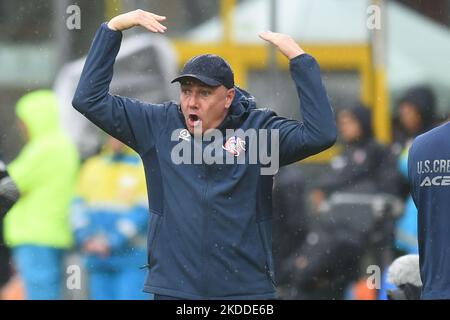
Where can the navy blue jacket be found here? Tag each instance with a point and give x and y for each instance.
(210, 230)
(429, 178)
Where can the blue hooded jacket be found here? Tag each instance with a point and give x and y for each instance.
(210, 230)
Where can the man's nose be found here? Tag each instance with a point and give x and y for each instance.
(192, 101)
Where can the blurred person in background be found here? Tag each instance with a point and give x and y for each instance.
(329, 259)
(109, 220)
(417, 115)
(9, 194)
(357, 169)
(37, 228)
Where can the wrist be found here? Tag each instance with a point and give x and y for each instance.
(111, 25)
(295, 53)
(298, 57)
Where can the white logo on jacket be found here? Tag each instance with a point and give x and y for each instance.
(436, 181)
(262, 148)
(184, 135)
(234, 145)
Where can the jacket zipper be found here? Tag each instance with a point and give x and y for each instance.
(205, 237)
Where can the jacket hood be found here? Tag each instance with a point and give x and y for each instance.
(39, 112)
(242, 103)
(245, 99)
(423, 100)
(363, 115)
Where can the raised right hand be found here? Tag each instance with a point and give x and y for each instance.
(148, 20)
(284, 43)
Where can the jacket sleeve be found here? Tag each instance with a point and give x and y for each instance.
(9, 193)
(126, 119)
(23, 168)
(317, 132)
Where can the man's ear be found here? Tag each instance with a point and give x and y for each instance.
(229, 97)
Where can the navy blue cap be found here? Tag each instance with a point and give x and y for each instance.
(210, 69)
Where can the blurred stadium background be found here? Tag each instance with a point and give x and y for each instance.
(373, 65)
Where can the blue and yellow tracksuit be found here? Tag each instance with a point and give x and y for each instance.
(111, 205)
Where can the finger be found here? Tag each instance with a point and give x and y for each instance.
(263, 35)
(158, 27)
(159, 18)
(150, 28)
(152, 21)
(154, 26)
(267, 35)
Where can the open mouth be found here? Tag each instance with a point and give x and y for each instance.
(194, 120)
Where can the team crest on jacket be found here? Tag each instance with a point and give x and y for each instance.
(184, 135)
(234, 145)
